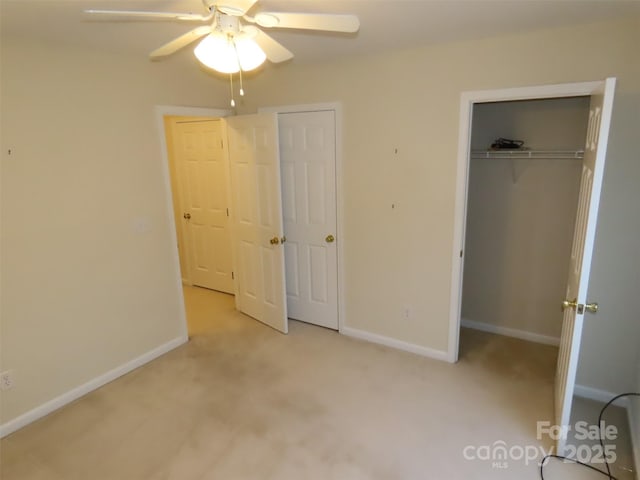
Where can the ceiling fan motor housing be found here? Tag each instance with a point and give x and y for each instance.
(227, 24)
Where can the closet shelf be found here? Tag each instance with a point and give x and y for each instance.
(524, 154)
(519, 167)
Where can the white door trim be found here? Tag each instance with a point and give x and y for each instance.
(160, 112)
(337, 108)
(467, 100)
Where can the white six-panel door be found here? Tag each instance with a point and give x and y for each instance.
(203, 181)
(308, 166)
(580, 263)
(256, 211)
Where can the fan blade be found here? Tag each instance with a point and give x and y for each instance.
(309, 21)
(180, 42)
(275, 52)
(133, 14)
(237, 8)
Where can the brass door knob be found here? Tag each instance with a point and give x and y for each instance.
(274, 241)
(580, 307)
(186, 215)
(591, 307)
(330, 239)
(569, 304)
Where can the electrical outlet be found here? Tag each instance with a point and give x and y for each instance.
(6, 380)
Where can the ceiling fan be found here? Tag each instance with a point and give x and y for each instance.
(234, 40)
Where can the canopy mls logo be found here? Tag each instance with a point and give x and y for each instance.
(499, 453)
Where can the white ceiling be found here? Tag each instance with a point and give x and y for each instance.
(385, 24)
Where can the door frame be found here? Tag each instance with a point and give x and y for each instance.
(336, 107)
(160, 112)
(467, 101)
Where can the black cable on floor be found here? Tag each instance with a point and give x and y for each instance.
(606, 462)
(578, 462)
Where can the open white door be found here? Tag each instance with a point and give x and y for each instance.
(256, 211)
(581, 252)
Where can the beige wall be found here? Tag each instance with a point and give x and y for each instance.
(550, 124)
(521, 214)
(410, 101)
(88, 275)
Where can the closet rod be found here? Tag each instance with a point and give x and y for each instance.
(550, 154)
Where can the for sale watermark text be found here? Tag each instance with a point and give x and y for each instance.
(499, 453)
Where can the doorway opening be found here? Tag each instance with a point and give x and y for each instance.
(203, 213)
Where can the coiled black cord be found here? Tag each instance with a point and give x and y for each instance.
(601, 441)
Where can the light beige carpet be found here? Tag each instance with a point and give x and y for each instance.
(241, 401)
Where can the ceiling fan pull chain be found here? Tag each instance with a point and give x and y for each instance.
(233, 102)
(235, 48)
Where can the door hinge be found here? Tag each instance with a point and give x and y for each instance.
(221, 143)
(227, 212)
(460, 253)
(233, 277)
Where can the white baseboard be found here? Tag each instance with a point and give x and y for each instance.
(394, 343)
(511, 332)
(68, 397)
(599, 395)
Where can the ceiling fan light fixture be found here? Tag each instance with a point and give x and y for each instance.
(227, 54)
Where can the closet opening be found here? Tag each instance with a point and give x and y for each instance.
(522, 200)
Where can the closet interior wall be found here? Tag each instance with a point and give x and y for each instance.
(520, 216)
